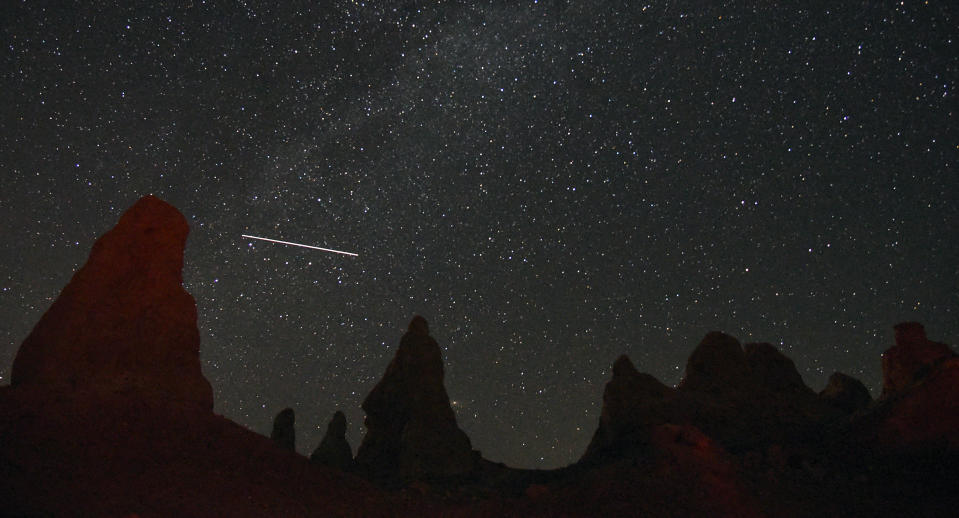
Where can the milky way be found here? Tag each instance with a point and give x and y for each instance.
(551, 184)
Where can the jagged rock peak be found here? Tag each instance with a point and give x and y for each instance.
(911, 357)
(633, 402)
(846, 393)
(772, 370)
(284, 433)
(717, 363)
(624, 367)
(123, 325)
(419, 326)
(334, 450)
(411, 428)
(629, 386)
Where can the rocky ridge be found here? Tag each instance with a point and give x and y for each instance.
(109, 415)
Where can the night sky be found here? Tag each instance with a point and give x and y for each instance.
(551, 184)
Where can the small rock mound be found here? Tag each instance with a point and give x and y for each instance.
(411, 428)
(123, 325)
(334, 450)
(284, 434)
(846, 393)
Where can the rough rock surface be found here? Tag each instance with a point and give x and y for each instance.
(718, 364)
(705, 465)
(846, 393)
(919, 408)
(334, 450)
(284, 430)
(109, 414)
(123, 325)
(85, 458)
(682, 473)
(926, 415)
(742, 397)
(911, 357)
(773, 371)
(633, 402)
(411, 428)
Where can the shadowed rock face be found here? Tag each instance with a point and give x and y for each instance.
(717, 364)
(123, 325)
(411, 428)
(334, 450)
(919, 407)
(772, 370)
(110, 415)
(742, 397)
(284, 433)
(911, 357)
(633, 402)
(846, 393)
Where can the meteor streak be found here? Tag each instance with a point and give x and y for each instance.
(299, 244)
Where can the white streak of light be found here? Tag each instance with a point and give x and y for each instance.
(299, 244)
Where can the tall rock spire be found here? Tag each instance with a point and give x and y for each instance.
(123, 325)
(411, 428)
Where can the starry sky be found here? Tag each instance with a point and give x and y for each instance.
(550, 183)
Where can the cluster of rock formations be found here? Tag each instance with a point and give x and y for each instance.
(108, 412)
(745, 397)
(108, 403)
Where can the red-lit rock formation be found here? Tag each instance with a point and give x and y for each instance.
(911, 357)
(109, 414)
(919, 407)
(684, 451)
(411, 428)
(124, 324)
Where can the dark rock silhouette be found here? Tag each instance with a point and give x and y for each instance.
(685, 450)
(912, 357)
(334, 450)
(743, 397)
(683, 472)
(109, 414)
(124, 324)
(919, 407)
(772, 371)
(925, 415)
(718, 365)
(846, 393)
(633, 402)
(284, 432)
(411, 428)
